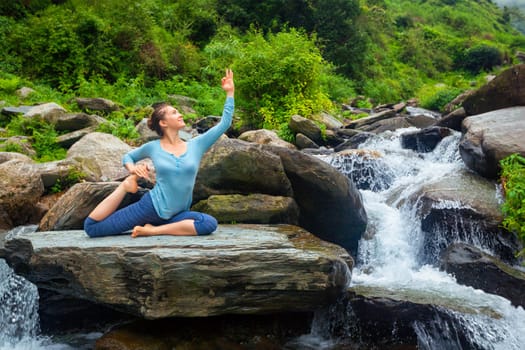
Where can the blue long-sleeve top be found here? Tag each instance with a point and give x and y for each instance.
(175, 176)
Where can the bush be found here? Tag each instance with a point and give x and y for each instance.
(279, 76)
(513, 179)
(43, 137)
(440, 99)
(480, 58)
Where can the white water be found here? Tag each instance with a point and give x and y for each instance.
(389, 260)
(19, 320)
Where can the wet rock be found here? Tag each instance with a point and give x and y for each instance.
(239, 332)
(453, 120)
(330, 205)
(462, 208)
(364, 168)
(424, 140)
(240, 269)
(480, 270)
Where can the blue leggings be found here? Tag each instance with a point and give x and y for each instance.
(141, 213)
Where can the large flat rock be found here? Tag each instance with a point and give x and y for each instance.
(240, 269)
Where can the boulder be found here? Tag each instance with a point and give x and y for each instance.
(384, 318)
(371, 119)
(462, 207)
(62, 171)
(24, 92)
(72, 208)
(490, 137)
(331, 122)
(265, 137)
(239, 332)
(239, 167)
(424, 140)
(307, 127)
(20, 189)
(74, 121)
(96, 104)
(12, 111)
(146, 134)
(387, 124)
(45, 111)
(330, 205)
(252, 209)
(453, 120)
(304, 142)
(365, 168)
(421, 121)
(100, 154)
(475, 268)
(7, 156)
(354, 141)
(22, 144)
(69, 139)
(240, 269)
(506, 90)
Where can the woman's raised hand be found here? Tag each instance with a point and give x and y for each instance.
(227, 83)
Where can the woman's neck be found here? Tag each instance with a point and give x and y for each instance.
(172, 138)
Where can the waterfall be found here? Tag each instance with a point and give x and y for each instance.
(18, 311)
(19, 320)
(389, 257)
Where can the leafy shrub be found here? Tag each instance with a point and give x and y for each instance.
(278, 76)
(119, 125)
(513, 179)
(43, 136)
(440, 99)
(480, 58)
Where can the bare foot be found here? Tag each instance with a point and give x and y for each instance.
(130, 184)
(146, 230)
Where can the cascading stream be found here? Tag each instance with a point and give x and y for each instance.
(389, 259)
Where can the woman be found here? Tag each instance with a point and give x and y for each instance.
(165, 209)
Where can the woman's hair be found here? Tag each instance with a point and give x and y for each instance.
(156, 117)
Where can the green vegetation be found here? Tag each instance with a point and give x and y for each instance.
(298, 56)
(291, 57)
(513, 178)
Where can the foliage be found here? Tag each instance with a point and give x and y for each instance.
(73, 176)
(43, 136)
(513, 178)
(119, 125)
(278, 77)
(480, 58)
(440, 99)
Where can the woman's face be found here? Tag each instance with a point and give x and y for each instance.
(172, 119)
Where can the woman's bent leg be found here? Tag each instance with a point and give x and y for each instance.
(112, 202)
(123, 220)
(187, 223)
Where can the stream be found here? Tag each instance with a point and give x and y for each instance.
(391, 259)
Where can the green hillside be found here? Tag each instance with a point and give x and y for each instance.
(290, 56)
